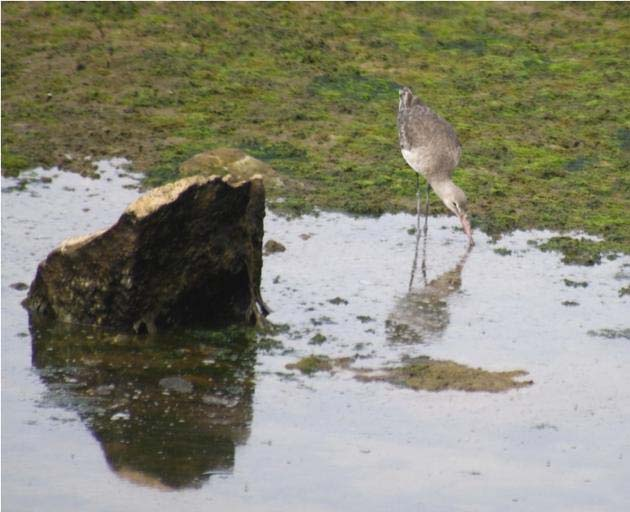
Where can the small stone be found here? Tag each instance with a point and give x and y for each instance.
(228, 402)
(177, 384)
(19, 286)
(104, 390)
(120, 416)
(272, 247)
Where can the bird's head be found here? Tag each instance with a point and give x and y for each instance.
(455, 200)
(405, 97)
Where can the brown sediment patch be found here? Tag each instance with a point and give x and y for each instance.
(436, 375)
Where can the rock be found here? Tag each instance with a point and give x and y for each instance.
(104, 390)
(187, 253)
(220, 400)
(177, 384)
(19, 286)
(238, 164)
(272, 246)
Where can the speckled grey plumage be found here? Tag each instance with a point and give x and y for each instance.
(428, 143)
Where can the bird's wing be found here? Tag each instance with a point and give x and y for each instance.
(422, 129)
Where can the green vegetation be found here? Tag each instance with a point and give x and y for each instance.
(502, 251)
(312, 364)
(317, 339)
(576, 251)
(537, 93)
(434, 375)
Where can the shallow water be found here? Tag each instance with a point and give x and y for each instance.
(80, 432)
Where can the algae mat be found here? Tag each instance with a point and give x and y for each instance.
(536, 91)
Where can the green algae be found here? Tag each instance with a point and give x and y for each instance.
(424, 373)
(269, 344)
(536, 92)
(312, 364)
(317, 339)
(575, 251)
(611, 333)
(502, 251)
(315, 363)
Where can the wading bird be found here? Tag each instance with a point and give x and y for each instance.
(430, 147)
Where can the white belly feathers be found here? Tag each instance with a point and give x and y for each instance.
(417, 159)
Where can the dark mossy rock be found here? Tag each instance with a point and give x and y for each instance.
(187, 253)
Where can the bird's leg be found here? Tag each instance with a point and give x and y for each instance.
(426, 211)
(424, 257)
(418, 202)
(418, 233)
(415, 258)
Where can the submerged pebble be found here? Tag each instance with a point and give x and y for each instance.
(177, 384)
(220, 400)
(273, 246)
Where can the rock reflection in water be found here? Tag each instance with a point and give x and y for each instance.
(422, 314)
(168, 411)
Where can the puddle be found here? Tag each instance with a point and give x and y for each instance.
(113, 422)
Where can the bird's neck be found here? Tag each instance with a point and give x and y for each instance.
(443, 187)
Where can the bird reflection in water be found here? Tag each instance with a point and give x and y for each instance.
(168, 411)
(422, 314)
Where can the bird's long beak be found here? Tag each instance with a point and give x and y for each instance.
(463, 218)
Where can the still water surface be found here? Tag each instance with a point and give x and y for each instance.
(109, 426)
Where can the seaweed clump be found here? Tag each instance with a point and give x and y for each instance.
(575, 251)
(319, 363)
(436, 375)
